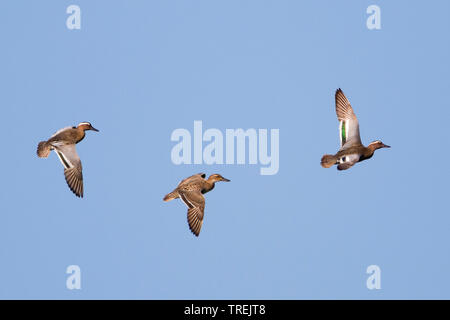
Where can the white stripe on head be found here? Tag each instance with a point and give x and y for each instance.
(375, 142)
(84, 123)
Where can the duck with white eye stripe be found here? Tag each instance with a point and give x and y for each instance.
(190, 191)
(63, 142)
(352, 150)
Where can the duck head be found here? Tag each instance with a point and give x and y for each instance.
(217, 177)
(377, 144)
(86, 126)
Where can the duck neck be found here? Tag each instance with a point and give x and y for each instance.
(369, 151)
(209, 185)
(80, 134)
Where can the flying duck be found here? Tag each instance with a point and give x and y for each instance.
(63, 142)
(191, 191)
(352, 150)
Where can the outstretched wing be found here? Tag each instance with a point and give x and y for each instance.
(69, 158)
(195, 202)
(348, 123)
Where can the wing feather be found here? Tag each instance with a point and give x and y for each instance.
(73, 171)
(348, 123)
(195, 202)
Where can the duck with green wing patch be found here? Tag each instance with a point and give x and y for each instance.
(352, 150)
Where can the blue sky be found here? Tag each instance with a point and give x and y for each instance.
(138, 70)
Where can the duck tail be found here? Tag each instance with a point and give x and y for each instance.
(43, 149)
(328, 160)
(171, 196)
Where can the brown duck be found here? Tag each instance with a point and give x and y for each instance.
(352, 150)
(191, 191)
(63, 142)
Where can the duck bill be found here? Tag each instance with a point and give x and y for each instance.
(226, 180)
(93, 129)
(386, 146)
